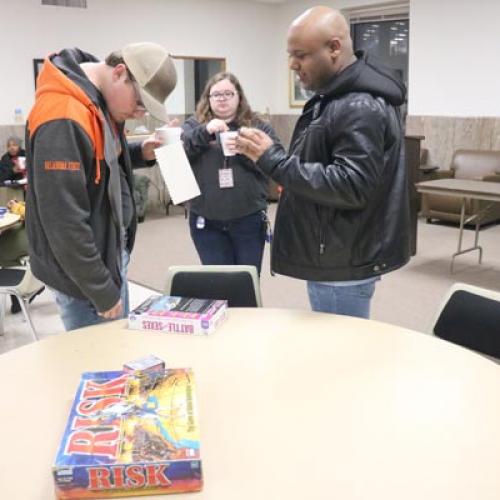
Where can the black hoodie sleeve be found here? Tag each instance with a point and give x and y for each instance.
(136, 158)
(353, 138)
(196, 139)
(5, 173)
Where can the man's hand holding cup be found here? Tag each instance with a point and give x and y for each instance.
(252, 143)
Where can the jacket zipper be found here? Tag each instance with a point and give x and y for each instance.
(322, 231)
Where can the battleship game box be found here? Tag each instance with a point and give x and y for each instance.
(130, 435)
(169, 314)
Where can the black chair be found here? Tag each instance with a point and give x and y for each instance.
(239, 285)
(470, 316)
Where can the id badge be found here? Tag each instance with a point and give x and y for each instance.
(226, 179)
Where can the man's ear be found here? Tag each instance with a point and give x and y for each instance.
(334, 47)
(118, 71)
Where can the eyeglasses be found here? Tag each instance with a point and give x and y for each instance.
(224, 95)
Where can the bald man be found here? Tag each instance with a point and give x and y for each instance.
(343, 217)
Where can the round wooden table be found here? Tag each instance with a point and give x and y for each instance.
(8, 220)
(292, 405)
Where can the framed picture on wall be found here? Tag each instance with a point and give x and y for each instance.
(298, 95)
(37, 66)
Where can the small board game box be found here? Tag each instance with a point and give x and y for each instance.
(123, 438)
(147, 370)
(169, 314)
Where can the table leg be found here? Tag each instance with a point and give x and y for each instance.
(461, 234)
(476, 240)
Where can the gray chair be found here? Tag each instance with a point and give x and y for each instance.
(470, 316)
(21, 283)
(239, 285)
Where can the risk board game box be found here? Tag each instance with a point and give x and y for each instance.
(178, 315)
(128, 437)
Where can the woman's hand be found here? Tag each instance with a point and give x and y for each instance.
(216, 125)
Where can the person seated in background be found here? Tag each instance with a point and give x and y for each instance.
(14, 247)
(11, 168)
(228, 220)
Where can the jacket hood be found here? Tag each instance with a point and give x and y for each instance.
(368, 75)
(65, 92)
(68, 62)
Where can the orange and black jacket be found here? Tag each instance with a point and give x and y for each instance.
(73, 234)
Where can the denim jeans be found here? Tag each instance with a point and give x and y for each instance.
(77, 313)
(350, 298)
(236, 241)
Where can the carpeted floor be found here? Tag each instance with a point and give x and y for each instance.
(408, 297)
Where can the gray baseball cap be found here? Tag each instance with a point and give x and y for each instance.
(154, 71)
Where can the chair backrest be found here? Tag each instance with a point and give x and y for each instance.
(30, 284)
(424, 155)
(475, 164)
(22, 283)
(470, 316)
(239, 285)
(20, 280)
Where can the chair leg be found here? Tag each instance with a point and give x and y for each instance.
(24, 307)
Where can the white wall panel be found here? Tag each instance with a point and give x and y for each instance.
(454, 63)
(242, 32)
(454, 58)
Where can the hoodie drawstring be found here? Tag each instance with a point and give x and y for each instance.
(98, 137)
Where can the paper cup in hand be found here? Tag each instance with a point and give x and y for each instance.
(224, 136)
(168, 135)
(21, 161)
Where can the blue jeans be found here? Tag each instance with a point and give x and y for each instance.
(236, 241)
(77, 313)
(348, 298)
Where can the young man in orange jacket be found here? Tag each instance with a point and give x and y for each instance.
(81, 217)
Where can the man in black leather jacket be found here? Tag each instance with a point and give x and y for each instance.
(343, 217)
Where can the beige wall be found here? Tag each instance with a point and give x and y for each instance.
(445, 134)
